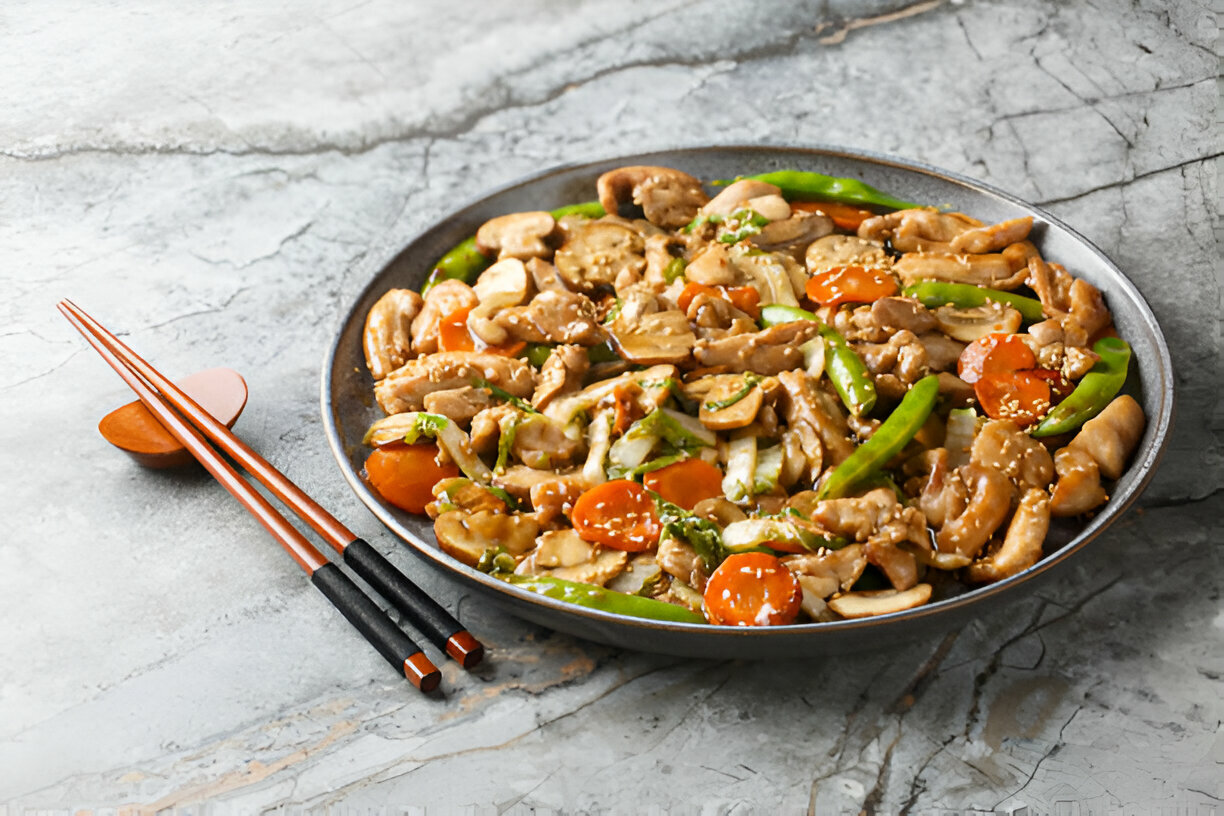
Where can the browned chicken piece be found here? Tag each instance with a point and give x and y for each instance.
(1019, 254)
(668, 198)
(680, 560)
(553, 317)
(1052, 284)
(553, 499)
(710, 312)
(719, 510)
(828, 572)
(902, 356)
(561, 373)
(520, 235)
(1101, 448)
(802, 405)
(770, 351)
(519, 480)
(856, 324)
(735, 196)
(902, 313)
(460, 404)
(712, 267)
(845, 250)
(659, 255)
(879, 520)
(1001, 444)
(943, 494)
(1088, 314)
(990, 497)
(992, 270)
(463, 494)
(942, 351)
(387, 339)
(541, 443)
(653, 339)
(918, 230)
(405, 388)
(545, 276)
(597, 252)
(447, 297)
(994, 237)
(466, 536)
(1021, 547)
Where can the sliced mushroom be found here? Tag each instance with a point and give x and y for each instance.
(597, 252)
(736, 195)
(387, 338)
(746, 401)
(969, 324)
(668, 198)
(466, 536)
(505, 283)
(658, 338)
(792, 235)
(844, 250)
(882, 602)
(518, 235)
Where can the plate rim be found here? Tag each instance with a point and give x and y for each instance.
(947, 607)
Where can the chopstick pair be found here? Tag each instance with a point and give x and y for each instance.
(421, 610)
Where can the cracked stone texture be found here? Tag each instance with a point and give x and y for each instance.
(218, 182)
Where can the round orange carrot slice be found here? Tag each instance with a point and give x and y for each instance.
(619, 514)
(752, 589)
(405, 474)
(686, 483)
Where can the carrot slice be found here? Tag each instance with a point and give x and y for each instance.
(1021, 396)
(619, 514)
(752, 589)
(850, 284)
(454, 335)
(405, 474)
(994, 353)
(845, 216)
(686, 483)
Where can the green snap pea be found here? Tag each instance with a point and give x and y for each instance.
(605, 600)
(1097, 388)
(934, 294)
(465, 262)
(892, 435)
(799, 185)
(536, 353)
(845, 368)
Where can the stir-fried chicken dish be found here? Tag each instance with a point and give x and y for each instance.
(779, 399)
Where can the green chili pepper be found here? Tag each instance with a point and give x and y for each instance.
(892, 435)
(798, 185)
(605, 600)
(536, 353)
(590, 209)
(465, 262)
(845, 368)
(934, 294)
(673, 270)
(1098, 387)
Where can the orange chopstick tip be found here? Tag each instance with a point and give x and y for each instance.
(465, 649)
(421, 672)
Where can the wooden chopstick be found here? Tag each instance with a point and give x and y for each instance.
(365, 615)
(422, 611)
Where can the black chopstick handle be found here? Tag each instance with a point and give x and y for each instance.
(422, 611)
(378, 629)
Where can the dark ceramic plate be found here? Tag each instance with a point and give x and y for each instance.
(348, 406)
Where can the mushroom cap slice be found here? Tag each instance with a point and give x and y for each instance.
(975, 322)
(883, 602)
(736, 195)
(521, 235)
(597, 252)
(668, 198)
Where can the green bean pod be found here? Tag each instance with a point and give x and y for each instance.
(934, 294)
(846, 370)
(893, 434)
(465, 262)
(799, 185)
(1097, 388)
(605, 600)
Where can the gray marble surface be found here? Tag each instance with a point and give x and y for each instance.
(218, 181)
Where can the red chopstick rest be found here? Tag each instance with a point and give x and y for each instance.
(134, 430)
